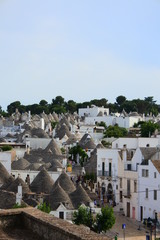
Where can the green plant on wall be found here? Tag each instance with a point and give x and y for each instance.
(44, 207)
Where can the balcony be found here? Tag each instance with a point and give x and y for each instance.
(127, 194)
(105, 174)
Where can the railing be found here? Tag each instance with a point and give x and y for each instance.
(126, 193)
(104, 173)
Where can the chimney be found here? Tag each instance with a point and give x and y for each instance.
(19, 195)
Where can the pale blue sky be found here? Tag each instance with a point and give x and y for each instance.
(79, 49)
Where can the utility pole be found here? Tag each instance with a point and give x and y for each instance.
(155, 225)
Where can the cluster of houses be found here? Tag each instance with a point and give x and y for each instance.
(35, 169)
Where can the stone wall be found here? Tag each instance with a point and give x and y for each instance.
(46, 226)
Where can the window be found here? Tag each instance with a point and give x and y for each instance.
(120, 198)
(146, 192)
(145, 173)
(120, 182)
(155, 174)
(155, 194)
(135, 186)
(116, 187)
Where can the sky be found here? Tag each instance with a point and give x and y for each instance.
(79, 49)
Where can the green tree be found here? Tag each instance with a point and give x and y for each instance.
(99, 102)
(12, 107)
(74, 151)
(71, 106)
(105, 219)
(120, 100)
(43, 103)
(102, 124)
(106, 144)
(83, 216)
(59, 100)
(148, 128)
(115, 131)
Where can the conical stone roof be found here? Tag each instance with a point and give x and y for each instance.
(55, 116)
(13, 187)
(34, 166)
(4, 175)
(54, 165)
(20, 164)
(7, 199)
(53, 147)
(59, 196)
(87, 142)
(62, 131)
(72, 139)
(65, 182)
(79, 196)
(42, 183)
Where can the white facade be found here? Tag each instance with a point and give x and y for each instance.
(135, 142)
(125, 122)
(149, 182)
(107, 170)
(35, 143)
(96, 132)
(93, 111)
(5, 159)
(63, 212)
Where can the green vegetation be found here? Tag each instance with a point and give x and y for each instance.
(115, 131)
(44, 207)
(23, 205)
(106, 144)
(83, 216)
(63, 150)
(148, 128)
(59, 105)
(6, 148)
(74, 151)
(90, 176)
(53, 124)
(103, 221)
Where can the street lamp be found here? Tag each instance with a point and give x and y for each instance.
(155, 224)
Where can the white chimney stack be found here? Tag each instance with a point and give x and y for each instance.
(19, 195)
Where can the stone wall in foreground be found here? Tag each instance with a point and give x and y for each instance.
(46, 226)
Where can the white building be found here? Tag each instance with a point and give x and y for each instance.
(107, 172)
(93, 111)
(149, 190)
(125, 122)
(5, 159)
(135, 142)
(131, 175)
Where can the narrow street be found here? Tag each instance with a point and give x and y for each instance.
(132, 231)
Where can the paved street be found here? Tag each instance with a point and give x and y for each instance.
(131, 231)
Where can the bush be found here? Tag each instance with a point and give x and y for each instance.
(101, 223)
(17, 205)
(44, 207)
(6, 148)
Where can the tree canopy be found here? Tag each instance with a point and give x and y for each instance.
(103, 221)
(115, 131)
(59, 105)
